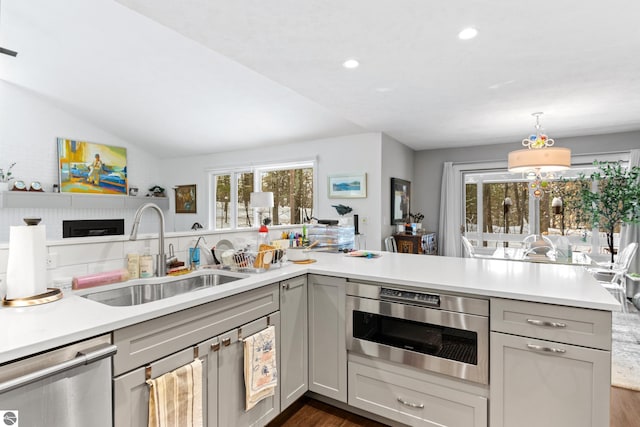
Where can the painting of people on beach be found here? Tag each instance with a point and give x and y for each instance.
(86, 167)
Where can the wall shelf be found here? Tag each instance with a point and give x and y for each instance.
(41, 200)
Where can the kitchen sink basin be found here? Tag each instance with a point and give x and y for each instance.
(148, 292)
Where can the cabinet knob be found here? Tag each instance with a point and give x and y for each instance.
(215, 347)
(285, 286)
(226, 342)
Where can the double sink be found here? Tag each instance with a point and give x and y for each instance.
(142, 293)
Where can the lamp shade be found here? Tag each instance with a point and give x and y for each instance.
(261, 199)
(547, 159)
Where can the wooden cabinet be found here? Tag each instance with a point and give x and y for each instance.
(421, 243)
(327, 342)
(294, 343)
(536, 381)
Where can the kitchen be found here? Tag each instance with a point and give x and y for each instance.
(356, 149)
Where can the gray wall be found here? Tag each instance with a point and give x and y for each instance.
(428, 164)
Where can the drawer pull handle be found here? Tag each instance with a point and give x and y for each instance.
(547, 323)
(226, 342)
(215, 347)
(410, 404)
(546, 349)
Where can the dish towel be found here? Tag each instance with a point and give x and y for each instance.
(260, 373)
(175, 398)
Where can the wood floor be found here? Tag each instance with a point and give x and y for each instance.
(311, 413)
(625, 407)
(625, 412)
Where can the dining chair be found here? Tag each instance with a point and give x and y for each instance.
(390, 244)
(614, 277)
(537, 244)
(468, 247)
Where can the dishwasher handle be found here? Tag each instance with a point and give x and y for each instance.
(80, 359)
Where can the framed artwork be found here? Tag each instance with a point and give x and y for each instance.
(87, 167)
(347, 186)
(400, 200)
(186, 199)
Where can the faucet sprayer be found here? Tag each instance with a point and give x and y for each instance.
(161, 258)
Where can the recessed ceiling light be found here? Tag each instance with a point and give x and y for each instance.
(467, 33)
(351, 63)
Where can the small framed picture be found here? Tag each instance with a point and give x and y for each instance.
(186, 199)
(347, 186)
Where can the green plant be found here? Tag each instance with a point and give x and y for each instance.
(617, 199)
(6, 176)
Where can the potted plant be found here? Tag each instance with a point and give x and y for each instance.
(617, 200)
(5, 177)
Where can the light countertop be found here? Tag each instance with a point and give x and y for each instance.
(30, 330)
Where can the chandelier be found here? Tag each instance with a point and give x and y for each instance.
(540, 159)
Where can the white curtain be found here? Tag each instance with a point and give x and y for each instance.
(449, 243)
(631, 232)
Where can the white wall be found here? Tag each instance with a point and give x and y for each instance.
(428, 164)
(397, 162)
(29, 126)
(349, 154)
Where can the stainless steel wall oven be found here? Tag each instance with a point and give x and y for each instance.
(448, 334)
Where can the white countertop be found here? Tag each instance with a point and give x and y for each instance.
(30, 330)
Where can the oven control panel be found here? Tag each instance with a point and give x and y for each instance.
(410, 297)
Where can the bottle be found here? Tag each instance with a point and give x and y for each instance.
(133, 265)
(263, 236)
(146, 264)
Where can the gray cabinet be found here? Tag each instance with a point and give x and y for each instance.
(231, 390)
(212, 332)
(411, 397)
(131, 392)
(294, 343)
(547, 376)
(327, 342)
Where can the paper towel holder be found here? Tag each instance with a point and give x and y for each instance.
(32, 221)
(52, 294)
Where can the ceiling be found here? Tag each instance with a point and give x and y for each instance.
(209, 76)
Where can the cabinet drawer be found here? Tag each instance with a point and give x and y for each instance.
(145, 342)
(580, 326)
(411, 401)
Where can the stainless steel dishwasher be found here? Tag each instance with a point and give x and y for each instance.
(66, 387)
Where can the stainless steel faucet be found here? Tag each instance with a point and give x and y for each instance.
(161, 258)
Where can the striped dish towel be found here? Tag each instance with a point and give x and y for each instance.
(260, 373)
(175, 398)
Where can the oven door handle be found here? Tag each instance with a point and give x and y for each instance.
(411, 404)
(80, 359)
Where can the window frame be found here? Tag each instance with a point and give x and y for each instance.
(257, 170)
(462, 169)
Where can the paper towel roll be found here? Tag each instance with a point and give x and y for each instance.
(27, 264)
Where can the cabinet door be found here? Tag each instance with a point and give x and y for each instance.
(131, 392)
(208, 353)
(327, 342)
(231, 390)
(294, 344)
(542, 383)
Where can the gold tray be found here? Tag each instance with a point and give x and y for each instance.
(53, 294)
(305, 261)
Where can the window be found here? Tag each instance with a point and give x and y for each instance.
(292, 185)
(499, 209)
